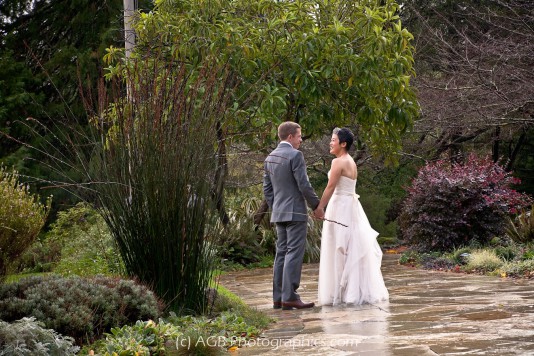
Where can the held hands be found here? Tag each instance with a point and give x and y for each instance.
(318, 213)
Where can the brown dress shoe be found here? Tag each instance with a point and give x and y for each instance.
(277, 305)
(296, 304)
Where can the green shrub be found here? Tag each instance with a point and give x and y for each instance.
(239, 241)
(518, 269)
(78, 307)
(41, 256)
(528, 254)
(506, 253)
(521, 229)
(28, 337)
(87, 247)
(483, 261)
(449, 206)
(410, 257)
(460, 256)
(21, 218)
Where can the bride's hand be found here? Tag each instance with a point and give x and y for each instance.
(318, 213)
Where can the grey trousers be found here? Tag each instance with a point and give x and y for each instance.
(287, 269)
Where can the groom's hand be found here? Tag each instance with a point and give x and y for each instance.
(318, 213)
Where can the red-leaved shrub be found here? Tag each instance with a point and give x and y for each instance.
(449, 206)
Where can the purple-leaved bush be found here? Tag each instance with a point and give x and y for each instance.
(449, 206)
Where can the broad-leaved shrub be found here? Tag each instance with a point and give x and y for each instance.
(78, 307)
(22, 216)
(87, 246)
(449, 206)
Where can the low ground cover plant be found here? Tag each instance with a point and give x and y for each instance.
(82, 308)
(29, 337)
(512, 260)
(229, 325)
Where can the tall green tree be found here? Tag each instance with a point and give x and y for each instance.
(320, 63)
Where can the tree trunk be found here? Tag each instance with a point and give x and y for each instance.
(129, 33)
(515, 151)
(496, 142)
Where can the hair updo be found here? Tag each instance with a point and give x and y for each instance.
(344, 135)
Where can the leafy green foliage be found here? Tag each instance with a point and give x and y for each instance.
(78, 243)
(520, 269)
(87, 246)
(513, 260)
(240, 241)
(506, 253)
(460, 255)
(410, 257)
(450, 206)
(375, 205)
(319, 63)
(528, 254)
(22, 216)
(77, 307)
(521, 229)
(29, 337)
(143, 338)
(41, 256)
(234, 325)
(247, 244)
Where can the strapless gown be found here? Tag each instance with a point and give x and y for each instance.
(349, 270)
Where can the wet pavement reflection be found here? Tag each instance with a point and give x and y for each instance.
(429, 313)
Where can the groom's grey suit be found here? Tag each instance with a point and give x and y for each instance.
(287, 189)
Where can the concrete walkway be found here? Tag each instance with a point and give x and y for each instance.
(429, 313)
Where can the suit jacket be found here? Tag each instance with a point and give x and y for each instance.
(286, 185)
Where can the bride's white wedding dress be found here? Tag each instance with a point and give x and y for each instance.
(349, 270)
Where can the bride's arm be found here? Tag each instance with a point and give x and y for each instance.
(335, 173)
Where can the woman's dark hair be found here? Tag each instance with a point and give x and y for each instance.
(344, 135)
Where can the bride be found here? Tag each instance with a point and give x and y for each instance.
(349, 270)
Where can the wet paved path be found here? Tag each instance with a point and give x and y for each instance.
(429, 313)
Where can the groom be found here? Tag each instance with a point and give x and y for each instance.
(287, 189)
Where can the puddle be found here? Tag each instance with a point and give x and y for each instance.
(487, 315)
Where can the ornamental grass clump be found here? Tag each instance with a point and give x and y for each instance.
(483, 261)
(453, 205)
(22, 216)
(157, 159)
(149, 162)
